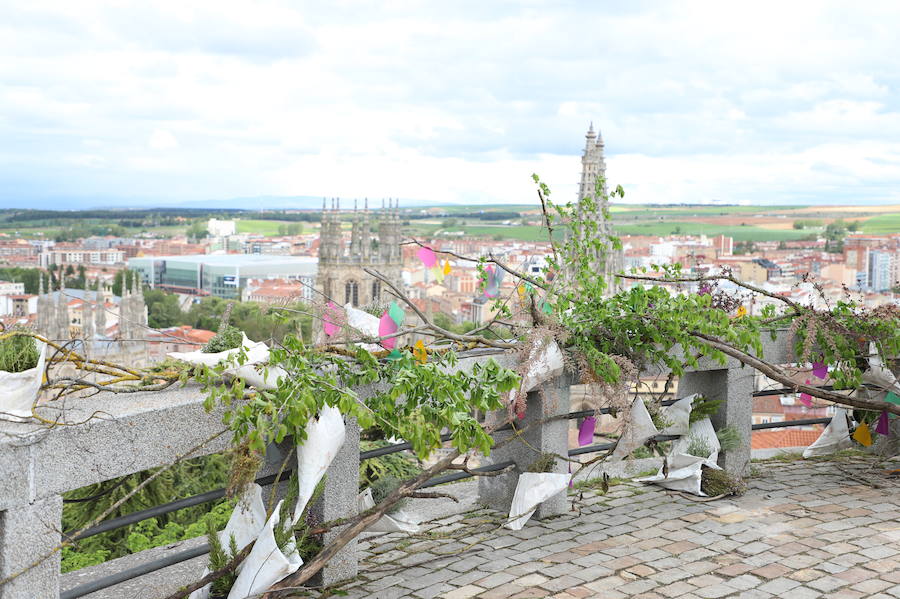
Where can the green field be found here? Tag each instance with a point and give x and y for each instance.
(883, 223)
(739, 233)
(262, 227)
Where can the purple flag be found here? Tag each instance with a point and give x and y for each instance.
(586, 432)
(820, 370)
(882, 427)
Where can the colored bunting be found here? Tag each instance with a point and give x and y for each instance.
(546, 308)
(520, 289)
(387, 326)
(419, 352)
(741, 312)
(862, 434)
(330, 321)
(586, 431)
(883, 428)
(394, 355)
(396, 313)
(427, 256)
(446, 269)
(820, 370)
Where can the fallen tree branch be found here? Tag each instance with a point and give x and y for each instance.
(777, 374)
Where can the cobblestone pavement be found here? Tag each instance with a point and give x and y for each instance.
(802, 530)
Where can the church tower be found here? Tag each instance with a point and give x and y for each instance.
(593, 169)
(341, 276)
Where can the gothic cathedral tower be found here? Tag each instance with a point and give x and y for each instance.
(593, 170)
(341, 277)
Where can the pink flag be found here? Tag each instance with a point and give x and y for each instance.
(882, 428)
(330, 320)
(820, 370)
(427, 256)
(387, 326)
(586, 432)
(806, 398)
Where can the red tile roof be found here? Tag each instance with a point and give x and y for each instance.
(787, 437)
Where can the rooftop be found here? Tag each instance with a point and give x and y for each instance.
(233, 259)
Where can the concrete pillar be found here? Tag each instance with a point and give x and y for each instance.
(27, 533)
(548, 400)
(338, 500)
(734, 386)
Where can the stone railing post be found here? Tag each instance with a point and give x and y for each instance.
(551, 399)
(338, 500)
(28, 533)
(734, 387)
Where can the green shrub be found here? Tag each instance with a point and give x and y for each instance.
(383, 487)
(729, 438)
(398, 465)
(18, 353)
(715, 482)
(230, 338)
(703, 407)
(698, 447)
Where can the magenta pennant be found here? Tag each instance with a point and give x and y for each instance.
(387, 326)
(330, 320)
(586, 432)
(427, 256)
(820, 370)
(882, 428)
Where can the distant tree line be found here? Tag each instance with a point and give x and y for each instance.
(256, 320)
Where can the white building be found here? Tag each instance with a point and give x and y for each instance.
(9, 288)
(221, 228)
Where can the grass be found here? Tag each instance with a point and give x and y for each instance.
(260, 227)
(739, 233)
(883, 223)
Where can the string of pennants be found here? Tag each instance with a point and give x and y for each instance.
(862, 434)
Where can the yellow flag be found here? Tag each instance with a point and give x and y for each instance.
(741, 312)
(862, 434)
(419, 352)
(521, 290)
(446, 267)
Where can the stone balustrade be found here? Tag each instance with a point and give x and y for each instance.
(124, 434)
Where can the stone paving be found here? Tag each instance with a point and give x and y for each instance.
(802, 530)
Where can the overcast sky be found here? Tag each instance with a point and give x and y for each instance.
(783, 102)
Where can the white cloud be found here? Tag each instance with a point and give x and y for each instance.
(161, 139)
(776, 102)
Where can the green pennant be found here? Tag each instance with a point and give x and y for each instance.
(546, 308)
(394, 355)
(893, 398)
(396, 313)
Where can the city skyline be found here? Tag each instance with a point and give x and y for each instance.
(173, 104)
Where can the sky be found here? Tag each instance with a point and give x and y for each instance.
(167, 103)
